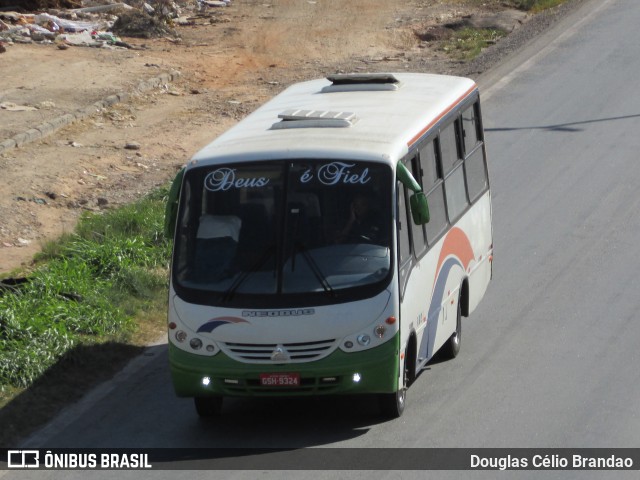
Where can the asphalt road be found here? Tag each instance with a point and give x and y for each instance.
(549, 359)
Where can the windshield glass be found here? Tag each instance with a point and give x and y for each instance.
(277, 230)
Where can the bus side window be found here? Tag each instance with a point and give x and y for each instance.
(417, 231)
(476, 172)
(449, 147)
(475, 162)
(470, 128)
(454, 183)
(432, 183)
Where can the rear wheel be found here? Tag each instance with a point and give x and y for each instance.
(208, 406)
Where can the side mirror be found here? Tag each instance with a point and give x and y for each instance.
(419, 208)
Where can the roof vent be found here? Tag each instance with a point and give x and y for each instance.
(362, 82)
(315, 119)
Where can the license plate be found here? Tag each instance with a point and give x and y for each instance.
(280, 379)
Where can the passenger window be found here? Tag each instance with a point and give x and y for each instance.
(417, 231)
(476, 172)
(429, 166)
(438, 221)
(449, 147)
(470, 128)
(456, 193)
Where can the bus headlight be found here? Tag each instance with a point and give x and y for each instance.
(181, 336)
(195, 343)
(364, 339)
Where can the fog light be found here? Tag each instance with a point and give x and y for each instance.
(356, 378)
(206, 381)
(181, 336)
(210, 348)
(364, 340)
(348, 344)
(379, 331)
(196, 343)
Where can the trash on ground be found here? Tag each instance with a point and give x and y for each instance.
(139, 24)
(12, 107)
(135, 18)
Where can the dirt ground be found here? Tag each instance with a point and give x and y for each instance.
(231, 60)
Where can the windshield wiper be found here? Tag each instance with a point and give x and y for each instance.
(268, 253)
(322, 279)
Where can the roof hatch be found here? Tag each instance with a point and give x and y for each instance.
(315, 119)
(362, 82)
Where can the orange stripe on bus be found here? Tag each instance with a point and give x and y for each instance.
(439, 117)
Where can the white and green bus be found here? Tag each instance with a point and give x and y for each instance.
(330, 242)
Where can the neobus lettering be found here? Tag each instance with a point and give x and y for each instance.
(337, 172)
(225, 179)
(278, 313)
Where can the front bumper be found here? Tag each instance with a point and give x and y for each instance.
(377, 368)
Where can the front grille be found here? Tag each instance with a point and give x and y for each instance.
(290, 352)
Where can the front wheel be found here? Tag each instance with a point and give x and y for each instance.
(451, 349)
(208, 406)
(392, 404)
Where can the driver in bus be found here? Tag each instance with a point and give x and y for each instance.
(363, 224)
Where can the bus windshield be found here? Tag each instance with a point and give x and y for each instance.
(278, 230)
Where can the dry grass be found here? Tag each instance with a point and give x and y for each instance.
(320, 30)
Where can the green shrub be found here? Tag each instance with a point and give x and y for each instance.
(87, 288)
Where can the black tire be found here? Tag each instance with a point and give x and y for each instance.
(451, 349)
(392, 404)
(208, 407)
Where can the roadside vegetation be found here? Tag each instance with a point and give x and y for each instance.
(467, 43)
(91, 298)
(463, 42)
(535, 6)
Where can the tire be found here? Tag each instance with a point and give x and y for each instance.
(451, 349)
(208, 407)
(392, 404)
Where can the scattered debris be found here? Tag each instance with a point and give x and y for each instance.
(214, 3)
(32, 5)
(69, 22)
(104, 8)
(139, 24)
(12, 107)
